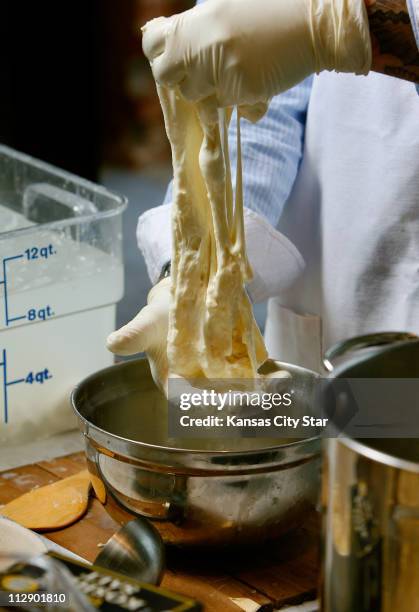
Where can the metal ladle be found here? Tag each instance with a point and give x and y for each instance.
(136, 551)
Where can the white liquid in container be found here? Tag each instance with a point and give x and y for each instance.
(59, 285)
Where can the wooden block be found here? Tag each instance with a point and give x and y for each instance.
(84, 536)
(214, 590)
(284, 570)
(27, 478)
(64, 466)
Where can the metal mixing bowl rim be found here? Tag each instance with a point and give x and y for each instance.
(356, 444)
(340, 370)
(369, 452)
(180, 451)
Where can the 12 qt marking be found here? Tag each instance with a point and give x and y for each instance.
(32, 254)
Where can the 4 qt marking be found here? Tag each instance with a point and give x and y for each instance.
(32, 377)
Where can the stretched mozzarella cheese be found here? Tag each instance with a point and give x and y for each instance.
(212, 331)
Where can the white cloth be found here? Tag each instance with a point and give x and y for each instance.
(354, 215)
(17, 542)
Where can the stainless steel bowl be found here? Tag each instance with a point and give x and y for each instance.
(371, 493)
(200, 494)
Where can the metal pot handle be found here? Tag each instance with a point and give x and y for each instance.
(360, 342)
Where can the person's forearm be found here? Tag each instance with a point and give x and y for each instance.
(395, 51)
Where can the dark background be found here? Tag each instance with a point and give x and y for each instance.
(53, 81)
(76, 89)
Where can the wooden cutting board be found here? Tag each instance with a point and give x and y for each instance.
(279, 574)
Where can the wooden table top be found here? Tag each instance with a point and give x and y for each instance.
(276, 575)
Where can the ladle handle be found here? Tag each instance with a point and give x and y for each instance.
(360, 342)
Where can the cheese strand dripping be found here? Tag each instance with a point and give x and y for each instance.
(212, 331)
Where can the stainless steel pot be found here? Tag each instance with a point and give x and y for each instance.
(371, 499)
(200, 494)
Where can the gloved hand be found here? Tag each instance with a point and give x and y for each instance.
(244, 52)
(148, 332)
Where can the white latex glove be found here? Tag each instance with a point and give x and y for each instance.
(148, 332)
(244, 52)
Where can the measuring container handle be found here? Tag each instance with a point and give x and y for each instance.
(360, 342)
(37, 196)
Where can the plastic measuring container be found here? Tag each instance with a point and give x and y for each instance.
(61, 275)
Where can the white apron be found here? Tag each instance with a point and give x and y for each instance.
(354, 216)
